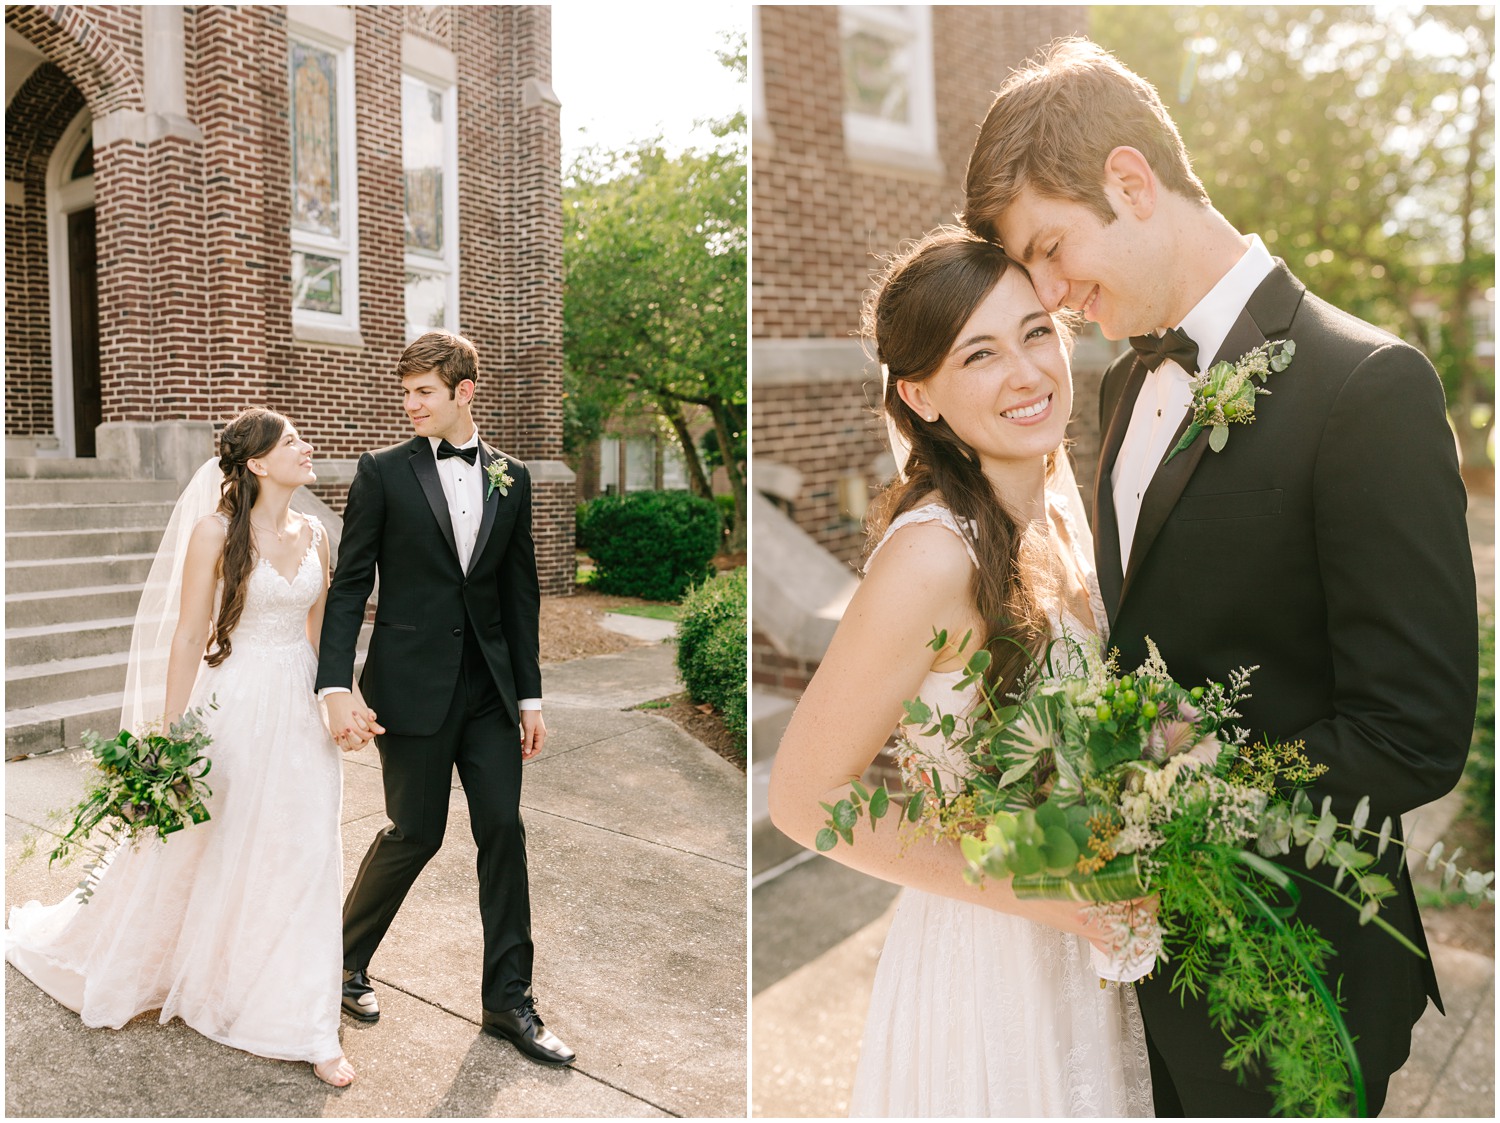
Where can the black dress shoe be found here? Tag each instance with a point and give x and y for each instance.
(359, 997)
(523, 1029)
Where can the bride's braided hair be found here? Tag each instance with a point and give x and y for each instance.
(250, 433)
(920, 303)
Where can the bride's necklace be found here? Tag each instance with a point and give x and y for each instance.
(280, 534)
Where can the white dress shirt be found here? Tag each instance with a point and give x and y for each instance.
(1166, 397)
(463, 488)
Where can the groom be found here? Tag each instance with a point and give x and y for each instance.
(1325, 543)
(452, 671)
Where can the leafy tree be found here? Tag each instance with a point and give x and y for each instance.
(654, 299)
(1359, 143)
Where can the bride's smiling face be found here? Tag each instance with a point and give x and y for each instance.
(1004, 386)
(289, 462)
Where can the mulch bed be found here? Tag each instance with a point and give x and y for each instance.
(571, 627)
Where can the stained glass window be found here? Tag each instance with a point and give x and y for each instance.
(325, 285)
(315, 140)
(889, 105)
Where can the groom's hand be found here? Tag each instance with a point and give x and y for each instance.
(533, 733)
(353, 725)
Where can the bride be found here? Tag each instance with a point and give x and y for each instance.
(984, 1004)
(232, 925)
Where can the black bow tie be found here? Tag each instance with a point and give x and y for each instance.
(446, 450)
(1171, 344)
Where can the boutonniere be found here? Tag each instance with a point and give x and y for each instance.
(1226, 392)
(498, 476)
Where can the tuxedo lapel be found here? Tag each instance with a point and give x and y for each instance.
(1266, 315)
(491, 503)
(1106, 523)
(425, 466)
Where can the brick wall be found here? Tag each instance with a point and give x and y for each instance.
(194, 235)
(821, 221)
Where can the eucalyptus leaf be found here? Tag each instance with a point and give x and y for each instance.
(844, 815)
(1361, 814)
(914, 807)
(1218, 437)
(880, 803)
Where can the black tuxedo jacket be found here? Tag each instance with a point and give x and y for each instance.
(1327, 544)
(397, 523)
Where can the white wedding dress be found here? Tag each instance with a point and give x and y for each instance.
(981, 1013)
(233, 925)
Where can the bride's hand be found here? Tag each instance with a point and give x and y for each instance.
(1070, 916)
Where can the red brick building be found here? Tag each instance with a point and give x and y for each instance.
(213, 207)
(863, 121)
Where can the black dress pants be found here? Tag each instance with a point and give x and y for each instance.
(480, 739)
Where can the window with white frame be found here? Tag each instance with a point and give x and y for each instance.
(429, 157)
(889, 108)
(325, 274)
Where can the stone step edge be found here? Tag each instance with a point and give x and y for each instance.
(83, 530)
(31, 631)
(13, 506)
(20, 672)
(23, 563)
(76, 591)
(56, 711)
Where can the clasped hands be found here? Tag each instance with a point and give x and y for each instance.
(351, 722)
(354, 726)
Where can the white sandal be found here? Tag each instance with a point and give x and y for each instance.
(338, 1073)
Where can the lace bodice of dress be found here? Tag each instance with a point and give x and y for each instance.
(275, 613)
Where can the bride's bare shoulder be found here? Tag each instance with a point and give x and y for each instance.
(921, 552)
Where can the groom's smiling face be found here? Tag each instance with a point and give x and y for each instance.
(1108, 272)
(434, 410)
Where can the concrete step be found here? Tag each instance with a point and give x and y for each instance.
(86, 516)
(47, 684)
(64, 468)
(37, 545)
(28, 491)
(43, 729)
(48, 643)
(51, 607)
(51, 575)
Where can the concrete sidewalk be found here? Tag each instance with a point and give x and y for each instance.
(636, 839)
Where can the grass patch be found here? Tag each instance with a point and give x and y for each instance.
(671, 612)
(659, 704)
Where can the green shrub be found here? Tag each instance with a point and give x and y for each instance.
(1479, 776)
(711, 647)
(651, 544)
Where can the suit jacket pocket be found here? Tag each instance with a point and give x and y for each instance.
(398, 627)
(1228, 505)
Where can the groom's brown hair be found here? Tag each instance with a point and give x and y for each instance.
(451, 356)
(1054, 123)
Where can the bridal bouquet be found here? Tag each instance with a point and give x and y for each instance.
(1106, 788)
(151, 782)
